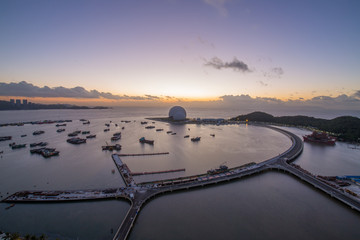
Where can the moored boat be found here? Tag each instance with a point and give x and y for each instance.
(195, 139)
(115, 138)
(74, 134)
(38, 132)
(143, 140)
(17, 146)
(5, 138)
(320, 137)
(45, 152)
(221, 169)
(91, 136)
(76, 140)
(41, 144)
(116, 147)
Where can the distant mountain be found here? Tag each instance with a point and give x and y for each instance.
(4, 105)
(346, 127)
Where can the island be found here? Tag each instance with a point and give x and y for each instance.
(344, 128)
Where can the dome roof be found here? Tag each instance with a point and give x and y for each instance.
(177, 113)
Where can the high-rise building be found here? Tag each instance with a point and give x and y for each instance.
(18, 102)
(25, 101)
(12, 101)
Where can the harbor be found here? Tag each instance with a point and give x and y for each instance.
(140, 193)
(142, 185)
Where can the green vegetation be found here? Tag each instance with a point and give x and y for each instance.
(345, 128)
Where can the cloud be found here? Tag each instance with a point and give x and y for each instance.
(263, 84)
(25, 89)
(356, 94)
(219, 5)
(205, 43)
(318, 104)
(276, 72)
(235, 64)
(151, 97)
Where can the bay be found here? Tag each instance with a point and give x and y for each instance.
(231, 209)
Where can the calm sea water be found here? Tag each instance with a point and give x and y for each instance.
(266, 206)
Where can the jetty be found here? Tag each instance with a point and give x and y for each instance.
(157, 172)
(74, 195)
(141, 154)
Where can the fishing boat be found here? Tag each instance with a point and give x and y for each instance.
(143, 140)
(41, 144)
(45, 152)
(38, 132)
(115, 138)
(221, 169)
(17, 146)
(5, 138)
(195, 139)
(91, 136)
(8, 207)
(76, 140)
(116, 147)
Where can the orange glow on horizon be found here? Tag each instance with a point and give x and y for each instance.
(107, 102)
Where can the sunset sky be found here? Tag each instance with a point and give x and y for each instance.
(188, 50)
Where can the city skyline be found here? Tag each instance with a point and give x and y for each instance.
(205, 53)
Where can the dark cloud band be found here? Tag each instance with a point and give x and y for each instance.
(25, 89)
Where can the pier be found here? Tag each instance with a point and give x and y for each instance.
(139, 194)
(66, 196)
(157, 172)
(141, 154)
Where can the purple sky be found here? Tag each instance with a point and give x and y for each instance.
(193, 49)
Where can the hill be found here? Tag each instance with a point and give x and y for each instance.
(346, 128)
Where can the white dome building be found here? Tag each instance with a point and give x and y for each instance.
(177, 113)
